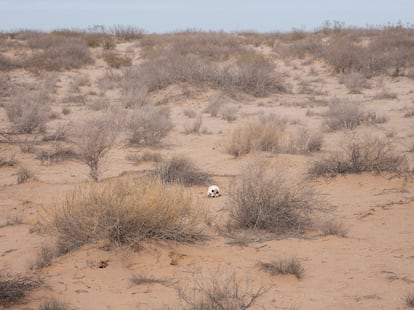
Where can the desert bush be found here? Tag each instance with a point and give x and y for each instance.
(264, 199)
(333, 227)
(24, 175)
(228, 112)
(28, 112)
(361, 154)
(180, 170)
(59, 53)
(215, 102)
(344, 55)
(343, 115)
(5, 85)
(265, 136)
(253, 74)
(94, 138)
(190, 113)
(284, 266)
(221, 291)
(126, 211)
(116, 60)
(194, 126)
(53, 304)
(148, 125)
(14, 288)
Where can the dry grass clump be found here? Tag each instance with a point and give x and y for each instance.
(265, 136)
(284, 266)
(127, 33)
(94, 138)
(116, 60)
(14, 288)
(221, 291)
(148, 125)
(307, 141)
(7, 64)
(145, 156)
(361, 154)
(343, 115)
(126, 211)
(53, 304)
(264, 199)
(180, 170)
(24, 175)
(28, 112)
(44, 257)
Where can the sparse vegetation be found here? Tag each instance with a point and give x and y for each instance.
(126, 211)
(94, 138)
(361, 154)
(264, 199)
(284, 266)
(180, 170)
(14, 288)
(115, 60)
(8, 161)
(44, 257)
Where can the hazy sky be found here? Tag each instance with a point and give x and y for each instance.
(228, 15)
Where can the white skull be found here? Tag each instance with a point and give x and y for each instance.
(213, 191)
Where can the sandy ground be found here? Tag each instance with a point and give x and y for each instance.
(372, 268)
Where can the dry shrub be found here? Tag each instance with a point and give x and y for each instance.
(148, 125)
(256, 136)
(264, 199)
(218, 291)
(28, 111)
(14, 288)
(343, 114)
(53, 304)
(5, 85)
(116, 60)
(7, 64)
(361, 154)
(284, 266)
(126, 211)
(253, 73)
(24, 175)
(94, 138)
(215, 102)
(59, 53)
(180, 170)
